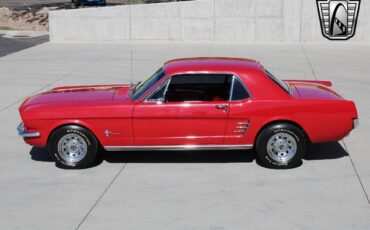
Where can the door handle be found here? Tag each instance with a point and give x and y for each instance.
(224, 107)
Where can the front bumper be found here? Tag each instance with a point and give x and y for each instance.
(22, 131)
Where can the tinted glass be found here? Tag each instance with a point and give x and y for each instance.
(148, 83)
(278, 81)
(239, 91)
(199, 87)
(159, 93)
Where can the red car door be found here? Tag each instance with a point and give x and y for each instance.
(180, 123)
(193, 111)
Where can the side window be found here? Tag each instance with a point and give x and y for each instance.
(199, 87)
(158, 94)
(239, 91)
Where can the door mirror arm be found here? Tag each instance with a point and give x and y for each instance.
(157, 100)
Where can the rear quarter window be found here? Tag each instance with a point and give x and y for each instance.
(239, 91)
(279, 82)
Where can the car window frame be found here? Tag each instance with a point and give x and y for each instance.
(167, 80)
(243, 85)
(162, 84)
(185, 73)
(284, 86)
(143, 95)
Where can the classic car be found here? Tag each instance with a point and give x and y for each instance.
(189, 104)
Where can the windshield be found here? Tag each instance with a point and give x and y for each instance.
(282, 84)
(140, 89)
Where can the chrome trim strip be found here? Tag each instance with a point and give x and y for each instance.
(232, 88)
(176, 147)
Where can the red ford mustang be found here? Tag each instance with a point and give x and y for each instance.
(189, 104)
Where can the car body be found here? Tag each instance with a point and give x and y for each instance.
(124, 117)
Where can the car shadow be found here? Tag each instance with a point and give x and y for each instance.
(40, 154)
(231, 156)
(325, 151)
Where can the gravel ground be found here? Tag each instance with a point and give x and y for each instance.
(35, 18)
(20, 4)
(33, 14)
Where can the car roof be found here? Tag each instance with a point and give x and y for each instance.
(251, 72)
(211, 64)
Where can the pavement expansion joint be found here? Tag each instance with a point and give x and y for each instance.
(101, 195)
(357, 174)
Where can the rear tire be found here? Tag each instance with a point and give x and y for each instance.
(281, 146)
(73, 147)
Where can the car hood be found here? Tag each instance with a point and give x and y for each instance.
(77, 94)
(317, 90)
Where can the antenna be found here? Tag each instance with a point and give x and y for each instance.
(131, 65)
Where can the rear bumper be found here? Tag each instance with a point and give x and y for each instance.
(355, 122)
(22, 132)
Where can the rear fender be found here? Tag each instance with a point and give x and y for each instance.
(284, 119)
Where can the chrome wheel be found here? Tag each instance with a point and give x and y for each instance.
(72, 148)
(282, 147)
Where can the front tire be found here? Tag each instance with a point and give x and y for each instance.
(281, 146)
(73, 147)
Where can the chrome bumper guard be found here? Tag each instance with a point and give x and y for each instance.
(22, 131)
(356, 122)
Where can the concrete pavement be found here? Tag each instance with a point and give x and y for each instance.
(186, 190)
(11, 45)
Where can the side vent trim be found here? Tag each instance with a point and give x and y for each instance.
(242, 127)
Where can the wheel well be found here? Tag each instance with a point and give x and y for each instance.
(60, 126)
(283, 121)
